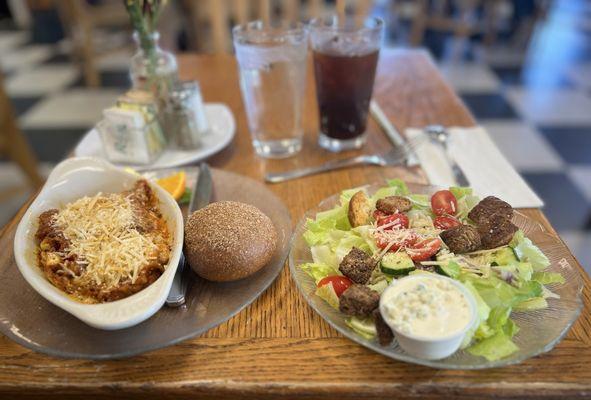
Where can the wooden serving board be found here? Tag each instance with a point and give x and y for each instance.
(278, 347)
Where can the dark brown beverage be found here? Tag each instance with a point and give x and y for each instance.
(344, 85)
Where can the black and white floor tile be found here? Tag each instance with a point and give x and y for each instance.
(536, 107)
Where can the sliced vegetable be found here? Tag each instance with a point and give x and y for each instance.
(445, 222)
(451, 269)
(339, 283)
(424, 249)
(393, 222)
(503, 256)
(444, 202)
(397, 264)
(410, 238)
(364, 327)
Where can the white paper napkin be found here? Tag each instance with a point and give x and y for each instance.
(484, 165)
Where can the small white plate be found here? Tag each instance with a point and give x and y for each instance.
(70, 180)
(222, 129)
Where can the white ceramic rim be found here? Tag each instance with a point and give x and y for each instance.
(113, 315)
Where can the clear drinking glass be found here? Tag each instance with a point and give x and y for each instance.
(272, 61)
(345, 59)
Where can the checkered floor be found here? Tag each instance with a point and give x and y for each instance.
(536, 104)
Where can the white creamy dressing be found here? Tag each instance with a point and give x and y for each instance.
(427, 307)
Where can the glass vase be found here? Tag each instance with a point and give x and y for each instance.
(152, 68)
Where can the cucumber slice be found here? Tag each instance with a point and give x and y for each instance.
(364, 327)
(504, 256)
(451, 269)
(397, 264)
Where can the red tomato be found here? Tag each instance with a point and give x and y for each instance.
(444, 202)
(424, 249)
(339, 283)
(382, 242)
(398, 220)
(377, 215)
(446, 222)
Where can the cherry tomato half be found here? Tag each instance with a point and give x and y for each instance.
(424, 249)
(382, 242)
(339, 283)
(445, 222)
(444, 202)
(396, 221)
(377, 215)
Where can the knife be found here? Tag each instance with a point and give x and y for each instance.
(391, 132)
(200, 197)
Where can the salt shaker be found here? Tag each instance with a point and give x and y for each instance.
(186, 120)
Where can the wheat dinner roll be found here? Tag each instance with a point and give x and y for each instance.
(228, 240)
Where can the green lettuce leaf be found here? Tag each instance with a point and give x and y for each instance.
(400, 185)
(364, 231)
(498, 318)
(465, 205)
(480, 329)
(384, 192)
(510, 329)
(495, 347)
(351, 239)
(318, 230)
(420, 201)
(324, 255)
(547, 278)
(327, 293)
(347, 194)
(525, 250)
(420, 218)
(318, 271)
(459, 191)
(536, 303)
(497, 293)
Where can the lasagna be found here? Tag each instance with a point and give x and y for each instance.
(106, 247)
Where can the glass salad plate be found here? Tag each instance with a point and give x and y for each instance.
(540, 330)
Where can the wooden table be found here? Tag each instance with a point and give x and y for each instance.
(278, 347)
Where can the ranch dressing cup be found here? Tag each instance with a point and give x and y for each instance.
(429, 314)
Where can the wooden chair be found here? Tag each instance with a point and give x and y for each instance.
(437, 15)
(80, 21)
(212, 20)
(12, 141)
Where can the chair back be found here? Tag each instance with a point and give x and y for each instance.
(213, 19)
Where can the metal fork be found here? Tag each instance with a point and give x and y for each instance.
(397, 155)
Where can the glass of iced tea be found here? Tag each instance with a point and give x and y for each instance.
(345, 59)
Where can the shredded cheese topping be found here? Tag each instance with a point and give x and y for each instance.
(101, 233)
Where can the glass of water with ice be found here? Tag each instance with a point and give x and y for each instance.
(272, 62)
